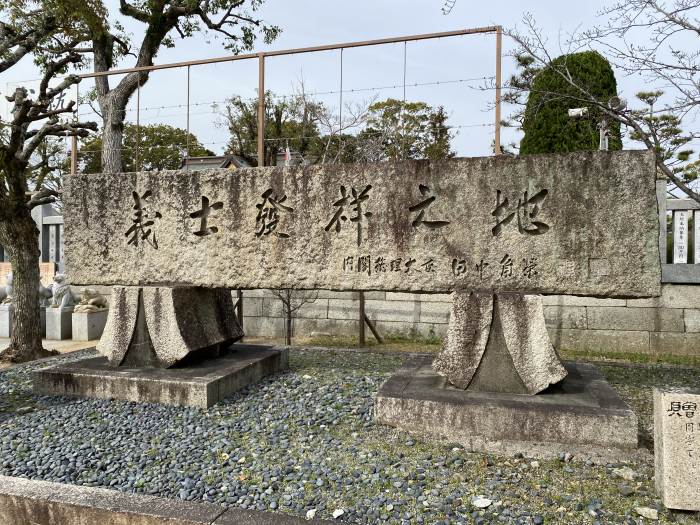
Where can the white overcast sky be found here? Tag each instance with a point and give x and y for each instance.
(317, 22)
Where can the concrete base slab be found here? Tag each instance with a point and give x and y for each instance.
(59, 323)
(199, 384)
(581, 415)
(88, 326)
(28, 501)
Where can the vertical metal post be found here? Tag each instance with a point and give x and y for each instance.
(137, 165)
(497, 130)
(187, 145)
(340, 118)
(362, 319)
(74, 138)
(404, 71)
(261, 109)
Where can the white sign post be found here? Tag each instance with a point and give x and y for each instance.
(696, 236)
(680, 237)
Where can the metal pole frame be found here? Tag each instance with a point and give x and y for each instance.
(261, 109)
(340, 109)
(187, 139)
(346, 45)
(497, 109)
(137, 164)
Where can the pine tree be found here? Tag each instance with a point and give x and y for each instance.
(546, 123)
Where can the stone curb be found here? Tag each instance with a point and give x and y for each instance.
(25, 501)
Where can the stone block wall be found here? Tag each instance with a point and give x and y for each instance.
(667, 324)
(337, 313)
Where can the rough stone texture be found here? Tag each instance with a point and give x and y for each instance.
(672, 296)
(691, 319)
(632, 341)
(88, 326)
(36, 502)
(651, 319)
(343, 309)
(587, 250)
(527, 341)
(677, 447)
(467, 336)
(160, 326)
(398, 310)
(565, 316)
(59, 323)
(432, 312)
(199, 384)
(582, 414)
(573, 300)
(674, 343)
(498, 344)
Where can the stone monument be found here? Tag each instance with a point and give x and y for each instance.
(494, 231)
(677, 447)
(59, 312)
(89, 315)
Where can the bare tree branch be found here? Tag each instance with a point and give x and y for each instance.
(666, 67)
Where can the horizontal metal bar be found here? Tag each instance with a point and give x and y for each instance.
(294, 51)
(53, 219)
(680, 273)
(682, 204)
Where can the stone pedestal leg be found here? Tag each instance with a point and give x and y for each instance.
(160, 326)
(498, 343)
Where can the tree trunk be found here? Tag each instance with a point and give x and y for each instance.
(20, 237)
(112, 135)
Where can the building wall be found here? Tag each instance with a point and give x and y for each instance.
(667, 324)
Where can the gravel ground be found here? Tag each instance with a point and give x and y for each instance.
(303, 442)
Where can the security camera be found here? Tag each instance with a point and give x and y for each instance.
(578, 112)
(617, 103)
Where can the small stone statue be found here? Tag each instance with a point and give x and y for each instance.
(45, 295)
(91, 301)
(8, 289)
(62, 296)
